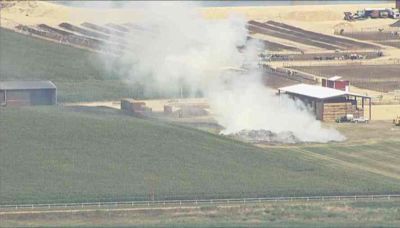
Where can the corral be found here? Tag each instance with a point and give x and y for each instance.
(356, 55)
(19, 93)
(295, 34)
(383, 78)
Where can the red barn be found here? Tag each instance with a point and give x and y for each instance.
(336, 83)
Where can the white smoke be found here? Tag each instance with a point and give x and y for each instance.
(179, 46)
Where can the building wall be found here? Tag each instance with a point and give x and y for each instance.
(18, 98)
(31, 97)
(42, 97)
(2, 98)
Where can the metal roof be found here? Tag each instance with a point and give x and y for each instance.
(334, 78)
(17, 85)
(317, 91)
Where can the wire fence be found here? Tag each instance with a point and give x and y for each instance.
(197, 202)
(391, 61)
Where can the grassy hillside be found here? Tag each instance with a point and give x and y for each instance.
(53, 154)
(376, 213)
(80, 75)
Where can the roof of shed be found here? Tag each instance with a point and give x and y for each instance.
(334, 78)
(317, 91)
(396, 24)
(17, 85)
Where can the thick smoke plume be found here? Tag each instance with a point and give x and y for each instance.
(174, 46)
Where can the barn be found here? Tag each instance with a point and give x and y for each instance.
(329, 104)
(21, 93)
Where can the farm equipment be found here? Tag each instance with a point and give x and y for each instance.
(350, 118)
(345, 119)
(372, 13)
(396, 121)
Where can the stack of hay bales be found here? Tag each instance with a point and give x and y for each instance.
(332, 111)
(135, 108)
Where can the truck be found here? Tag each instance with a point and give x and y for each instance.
(360, 120)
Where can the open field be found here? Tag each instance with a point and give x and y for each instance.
(381, 78)
(54, 155)
(79, 75)
(376, 213)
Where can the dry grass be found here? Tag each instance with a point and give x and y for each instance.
(284, 214)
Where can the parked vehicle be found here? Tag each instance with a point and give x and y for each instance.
(360, 120)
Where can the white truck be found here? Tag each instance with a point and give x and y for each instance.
(360, 120)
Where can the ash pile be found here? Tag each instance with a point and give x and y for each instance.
(265, 136)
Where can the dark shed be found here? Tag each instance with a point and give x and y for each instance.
(19, 93)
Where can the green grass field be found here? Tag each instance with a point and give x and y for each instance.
(60, 154)
(79, 75)
(372, 213)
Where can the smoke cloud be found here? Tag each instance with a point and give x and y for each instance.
(174, 46)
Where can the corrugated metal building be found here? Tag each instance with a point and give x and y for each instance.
(20, 93)
(329, 104)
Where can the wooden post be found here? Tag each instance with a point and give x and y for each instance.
(322, 110)
(362, 103)
(370, 106)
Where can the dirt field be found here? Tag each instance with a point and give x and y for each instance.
(382, 78)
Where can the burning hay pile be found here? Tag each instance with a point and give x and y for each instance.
(265, 136)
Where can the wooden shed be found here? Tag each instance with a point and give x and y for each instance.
(328, 104)
(21, 93)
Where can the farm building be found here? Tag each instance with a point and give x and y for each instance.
(336, 82)
(20, 93)
(329, 104)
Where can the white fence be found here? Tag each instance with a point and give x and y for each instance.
(177, 203)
